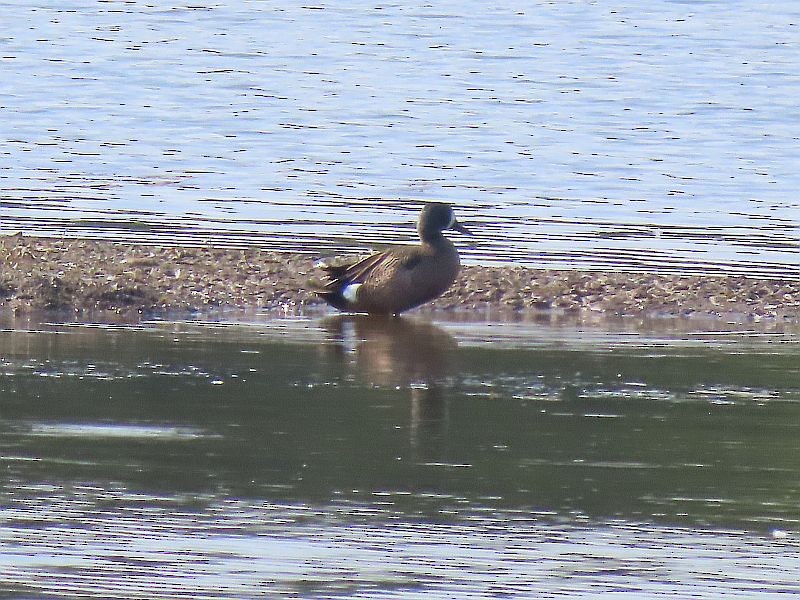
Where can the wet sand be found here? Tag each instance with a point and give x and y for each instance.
(123, 279)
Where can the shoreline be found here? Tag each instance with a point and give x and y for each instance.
(82, 276)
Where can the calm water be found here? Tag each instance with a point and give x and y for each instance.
(639, 135)
(313, 457)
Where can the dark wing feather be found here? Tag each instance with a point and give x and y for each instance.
(335, 271)
(360, 271)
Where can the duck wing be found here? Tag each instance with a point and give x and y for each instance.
(373, 267)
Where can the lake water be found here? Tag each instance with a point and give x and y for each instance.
(463, 458)
(640, 135)
(343, 456)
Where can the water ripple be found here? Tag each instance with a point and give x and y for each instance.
(650, 138)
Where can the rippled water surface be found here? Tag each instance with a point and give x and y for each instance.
(308, 457)
(640, 135)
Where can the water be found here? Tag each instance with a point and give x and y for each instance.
(469, 458)
(646, 136)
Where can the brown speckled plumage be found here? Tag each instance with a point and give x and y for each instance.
(402, 278)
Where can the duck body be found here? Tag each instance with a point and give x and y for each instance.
(396, 280)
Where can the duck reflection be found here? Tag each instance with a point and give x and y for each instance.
(402, 353)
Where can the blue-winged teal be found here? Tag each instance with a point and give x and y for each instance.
(402, 278)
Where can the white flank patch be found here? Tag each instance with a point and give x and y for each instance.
(350, 290)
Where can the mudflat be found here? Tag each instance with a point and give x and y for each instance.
(91, 275)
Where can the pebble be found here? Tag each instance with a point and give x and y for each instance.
(90, 275)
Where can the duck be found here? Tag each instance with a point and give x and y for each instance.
(401, 278)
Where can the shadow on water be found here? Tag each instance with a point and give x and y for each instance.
(391, 351)
(415, 356)
(399, 429)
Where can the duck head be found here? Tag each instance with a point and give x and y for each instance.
(437, 217)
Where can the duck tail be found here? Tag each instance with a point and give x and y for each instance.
(331, 290)
(335, 299)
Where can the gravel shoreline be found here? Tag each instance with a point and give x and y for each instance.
(49, 274)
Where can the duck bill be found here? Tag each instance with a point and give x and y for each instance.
(460, 228)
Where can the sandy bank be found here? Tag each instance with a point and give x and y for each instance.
(83, 275)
